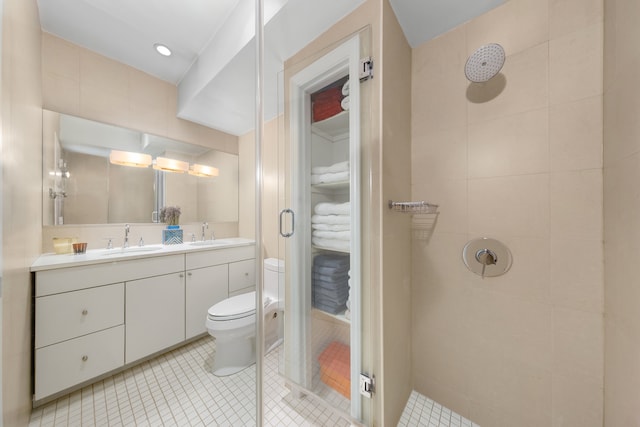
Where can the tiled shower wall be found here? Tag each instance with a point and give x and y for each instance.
(518, 159)
(621, 212)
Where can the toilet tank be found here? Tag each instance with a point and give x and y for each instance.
(273, 276)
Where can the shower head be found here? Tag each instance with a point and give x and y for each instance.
(484, 63)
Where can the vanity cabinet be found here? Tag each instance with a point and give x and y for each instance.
(155, 315)
(205, 287)
(97, 317)
(213, 276)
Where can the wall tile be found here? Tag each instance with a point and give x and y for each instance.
(438, 153)
(567, 16)
(577, 273)
(516, 25)
(438, 70)
(575, 135)
(576, 65)
(515, 205)
(512, 145)
(451, 196)
(577, 402)
(576, 205)
(521, 86)
(578, 344)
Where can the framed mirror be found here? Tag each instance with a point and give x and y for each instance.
(82, 186)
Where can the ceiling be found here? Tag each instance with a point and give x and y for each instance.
(213, 60)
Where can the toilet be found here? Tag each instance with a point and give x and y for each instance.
(232, 322)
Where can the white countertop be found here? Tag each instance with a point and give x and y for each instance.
(98, 256)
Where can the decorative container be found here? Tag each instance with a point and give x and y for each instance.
(172, 235)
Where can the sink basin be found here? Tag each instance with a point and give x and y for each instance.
(133, 249)
(216, 242)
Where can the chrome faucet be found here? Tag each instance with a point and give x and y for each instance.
(204, 224)
(126, 236)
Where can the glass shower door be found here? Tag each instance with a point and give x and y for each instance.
(320, 227)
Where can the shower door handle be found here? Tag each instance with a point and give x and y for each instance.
(293, 222)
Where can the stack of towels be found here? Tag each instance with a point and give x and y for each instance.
(331, 226)
(326, 174)
(330, 282)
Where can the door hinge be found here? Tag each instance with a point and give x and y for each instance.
(366, 68)
(367, 385)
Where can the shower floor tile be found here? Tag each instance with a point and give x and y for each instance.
(178, 389)
(422, 411)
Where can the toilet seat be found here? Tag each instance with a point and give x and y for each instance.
(234, 308)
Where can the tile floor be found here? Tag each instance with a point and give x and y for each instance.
(177, 389)
(422, 411)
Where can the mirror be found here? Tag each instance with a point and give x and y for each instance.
(81, 186)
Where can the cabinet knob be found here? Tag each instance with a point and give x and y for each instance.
(85, 358)
(85, 312)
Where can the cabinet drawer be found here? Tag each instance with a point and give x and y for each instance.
(242, 274)
(87, 276)
(66, 364)
(69, 315)
(219, 256)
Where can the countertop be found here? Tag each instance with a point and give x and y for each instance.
(52, 261)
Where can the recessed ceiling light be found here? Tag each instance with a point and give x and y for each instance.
(162, 49)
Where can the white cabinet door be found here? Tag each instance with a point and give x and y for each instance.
(205, 287)
(242, 274)
(68, 363)
(71, 314)
(154, 315)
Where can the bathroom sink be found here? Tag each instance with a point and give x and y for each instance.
(216, 242)
(133, 249)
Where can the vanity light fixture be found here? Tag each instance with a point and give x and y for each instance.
(203, 170)
(170, 165)
(162, 49)
(128, 158)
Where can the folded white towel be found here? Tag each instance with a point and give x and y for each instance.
(331, 219)
(345, 103)
(339, 235)
(331, 227)
(345, 88)
(341, 245)
(326, 208)
(336, 167)
(327, 178)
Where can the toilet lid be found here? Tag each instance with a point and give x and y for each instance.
(235, 307)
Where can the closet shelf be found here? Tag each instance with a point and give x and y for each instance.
(331, 186)
(321, 314)
(322, 248)
(421, 207)
(334, 126)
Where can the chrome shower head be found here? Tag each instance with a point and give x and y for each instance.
(484, 63)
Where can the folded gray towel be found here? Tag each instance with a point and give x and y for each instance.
(331, 270)
(333, 309)
(330, 284)
(337, 294)
(327, 260)
(331, 277)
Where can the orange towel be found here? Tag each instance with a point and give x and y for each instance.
(335, 367)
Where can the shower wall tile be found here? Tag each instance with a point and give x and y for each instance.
(440, 153)
(435, 73)
(577, 402)
(578, 344)
(566, 16)
(513, 145)
(517, 25)
(534, 182)
(577, 273)
(521, 86)
(575, 135)
(576, 65)
(451, 195)
(621, 108)
(515, 206)
(576, 205)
